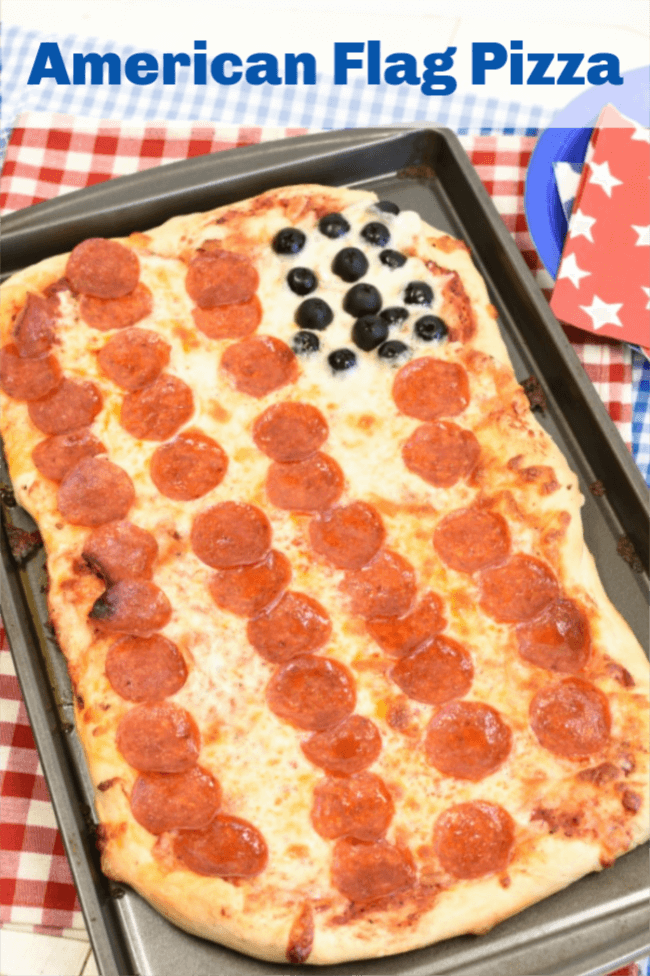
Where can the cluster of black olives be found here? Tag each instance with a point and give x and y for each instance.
(363, 301)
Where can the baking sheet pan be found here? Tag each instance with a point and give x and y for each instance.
(600, 921)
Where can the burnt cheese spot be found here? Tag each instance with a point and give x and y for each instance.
(350, 264)
(431, 328)
(289, 240)
(333, 225)
(418, 293)
(302, 281)
(376, 233)
(362, 299)
(314, 313)
(304, 343)
(369, 331)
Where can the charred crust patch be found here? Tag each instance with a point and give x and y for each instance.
(620, 674)
(301, 936)
(599, 775)
(23, 544)
(107, 783)
(458, 310)
(627, 552)
(631, 801)
(567, 822)
(7, 497)
(534, 392)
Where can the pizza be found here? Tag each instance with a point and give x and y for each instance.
(345, 675)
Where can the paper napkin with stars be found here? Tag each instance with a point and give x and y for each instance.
(603, 284)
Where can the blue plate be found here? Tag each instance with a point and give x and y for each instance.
(568, 139)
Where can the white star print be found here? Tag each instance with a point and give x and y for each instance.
(603, 177)
(640, 134)
(570, 270)
(581, 225)
(567, 181)
(602, 314)
(647, 295)
(644, 235)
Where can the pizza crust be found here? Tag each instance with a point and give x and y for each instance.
(522, 474)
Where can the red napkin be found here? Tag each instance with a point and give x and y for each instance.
(603, 285)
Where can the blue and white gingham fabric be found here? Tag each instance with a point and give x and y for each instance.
(321, 106)
(641, 413)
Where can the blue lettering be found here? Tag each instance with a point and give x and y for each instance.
(433, 82)
(481, 63)
(538, 75)
(404, 69)
(169, 66)
(568, 74)
(217, 69)
(48, 51)
(264, 69)
(141, 68)
(291, 62)
(96, 62)
(342, 62)
(610, 71)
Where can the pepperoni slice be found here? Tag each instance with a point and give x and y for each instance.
(260, 364)
(467, 740)
(571, 718)
(228, 848)
(429, 388)
(518, 590)
(132, 606)
(95, 491)
(357, 806)
(158, 737)
(145, 668)
(158, 411)
(350, 536)
(118, 550)
(312, 692)
(116, 313)
(305, 486)
(365, 872)
(471, 539)
(231, 534)
(33, 331)
(290, 431)
(558, 639)
(57, 455)
(188, 467)
(474, 839)
(172, 801)
(27, 379)
(348, 748)
(229, 321)
(134, 359)
(74, 403)
(441, 453)
(383, 588)
(295, 625)
(440, 669)
(220, 278)
(401, 635)
(247, 590)
(103, 268)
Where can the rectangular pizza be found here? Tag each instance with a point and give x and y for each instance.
(346, 677)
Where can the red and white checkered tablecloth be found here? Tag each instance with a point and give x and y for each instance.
(53, 154)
